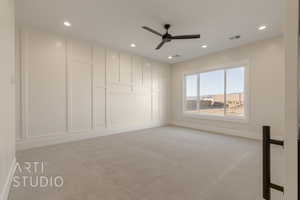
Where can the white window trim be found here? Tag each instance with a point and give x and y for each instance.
(245, 118)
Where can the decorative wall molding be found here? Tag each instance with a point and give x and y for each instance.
(97, 81)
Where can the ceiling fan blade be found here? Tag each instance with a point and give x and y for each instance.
(151, 30)
(160, 45)
(185, 37)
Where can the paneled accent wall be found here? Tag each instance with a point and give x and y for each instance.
(79, 79)
(43, 84)
(99, 88)
(71, 87)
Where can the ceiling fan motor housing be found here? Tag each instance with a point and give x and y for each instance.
(167, 37)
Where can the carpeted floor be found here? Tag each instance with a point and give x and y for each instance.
(167, 163)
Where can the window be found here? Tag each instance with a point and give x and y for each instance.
(212, 92)
(192, 92)
(216, 93)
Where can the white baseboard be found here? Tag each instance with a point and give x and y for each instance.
(41, 141)
(5, 192)
(219, 130)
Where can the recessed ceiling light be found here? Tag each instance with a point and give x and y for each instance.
(170, 57)
(133, 45)
(204, 46)
(262, 27)
(68, 24)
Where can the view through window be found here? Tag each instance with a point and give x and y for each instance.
(219, 92)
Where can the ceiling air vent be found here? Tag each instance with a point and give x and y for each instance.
(236, 37)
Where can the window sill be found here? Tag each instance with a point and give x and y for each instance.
(216, 117)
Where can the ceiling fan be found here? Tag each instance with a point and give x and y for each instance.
(168, 37)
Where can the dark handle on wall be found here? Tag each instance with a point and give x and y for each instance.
(267, 185)
(266, 163)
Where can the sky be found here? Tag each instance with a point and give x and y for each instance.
(212, 83)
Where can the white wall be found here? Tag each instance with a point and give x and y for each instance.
(73, 89)
(292, 100)
(7, 61)
(266, 68)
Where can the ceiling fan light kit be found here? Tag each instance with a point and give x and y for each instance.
(168, 37)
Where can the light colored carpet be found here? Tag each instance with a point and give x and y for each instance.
(167, 163)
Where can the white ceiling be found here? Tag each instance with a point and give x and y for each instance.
(117, 23)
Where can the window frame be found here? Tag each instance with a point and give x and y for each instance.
(242, 119)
